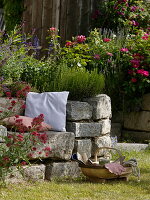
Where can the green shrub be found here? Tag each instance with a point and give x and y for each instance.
(79, 82)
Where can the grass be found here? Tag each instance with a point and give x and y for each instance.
(80, 189)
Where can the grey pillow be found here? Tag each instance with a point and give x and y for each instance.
(51, 104)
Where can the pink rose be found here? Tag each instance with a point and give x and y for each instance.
(97, 56)
(68, 44)
(53, 29)
(124, 50)
(81, 38)
(143, 72)
(145, 37)
(109, 54)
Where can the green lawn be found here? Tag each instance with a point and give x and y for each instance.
(80, 189)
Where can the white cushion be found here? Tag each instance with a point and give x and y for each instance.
(51, 104)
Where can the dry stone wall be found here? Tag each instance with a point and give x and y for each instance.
(133, 126)
(88, 127)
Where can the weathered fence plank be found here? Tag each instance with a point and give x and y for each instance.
(71, 17)
(27, 16)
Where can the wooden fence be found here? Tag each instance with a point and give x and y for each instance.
(2, 25)
(71, 17)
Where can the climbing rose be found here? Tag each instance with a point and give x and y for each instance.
(143, 72)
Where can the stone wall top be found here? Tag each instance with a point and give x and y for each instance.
(101, 106)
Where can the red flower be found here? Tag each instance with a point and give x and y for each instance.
(34, 148)
(23, 106)
(10, 136)
(53, 29)
(47, 154)
(8, 94)
(106, 39)
(6, 158)
(124, 50)
(13, 102)
(30, 155)
(23, 163)
(145, 37)
(143, 72)
(69, 44)
(8, 144)
(47, 149)
(35, 133)
(133, 80)
(10, 108)
(81, 38)
(19, 120)
(1, 111)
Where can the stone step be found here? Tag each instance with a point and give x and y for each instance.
(131, 146)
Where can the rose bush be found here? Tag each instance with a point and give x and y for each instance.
(122, 15)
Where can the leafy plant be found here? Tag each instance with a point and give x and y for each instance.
(127, 15)
(12, 13)
(79, 82)
(18, 147)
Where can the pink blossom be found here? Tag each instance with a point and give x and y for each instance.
(81, 38)
(23, 163)
(106, 39)
(53, 29)
(8, 94)
(124, 50)
(109, 61)
(133, 80)
(68, 44)
(143, 72)
(134, 8)
(145, 37)
(97, 56)
(34, 148)
(120, 13)
(47, 149)
(134, 23)
(109, 54)
(135, 63)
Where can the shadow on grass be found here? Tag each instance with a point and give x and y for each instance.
(132, 182)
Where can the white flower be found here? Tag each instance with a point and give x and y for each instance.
(79, 64)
